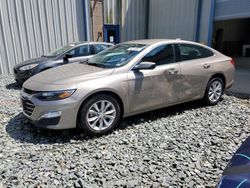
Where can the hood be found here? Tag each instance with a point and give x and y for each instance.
(69, 74)
(32, 61)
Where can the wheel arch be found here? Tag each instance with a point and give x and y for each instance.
(107, 92)
(219, 75)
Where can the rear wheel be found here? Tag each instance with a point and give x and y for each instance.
(214, 91)
(99, 114)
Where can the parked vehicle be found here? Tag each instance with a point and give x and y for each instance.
(237, 172)
(70, 53)
(127, 79)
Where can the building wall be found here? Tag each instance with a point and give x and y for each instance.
(134, 20)
(232, 9)
(205, 31)
(30, 28)
(172, 19)
(131, 15)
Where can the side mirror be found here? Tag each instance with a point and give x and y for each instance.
(144, 66)
(67, 57)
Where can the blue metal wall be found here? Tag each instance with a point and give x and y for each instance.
(190, 20)
(232, 9)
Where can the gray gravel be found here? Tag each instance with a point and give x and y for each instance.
(183, 146)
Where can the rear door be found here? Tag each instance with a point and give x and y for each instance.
(195, 70)
(158, 87)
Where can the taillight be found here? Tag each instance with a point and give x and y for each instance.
(232, 61)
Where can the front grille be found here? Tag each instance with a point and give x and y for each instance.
(28, 106)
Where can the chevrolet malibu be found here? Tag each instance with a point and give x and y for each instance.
(124, 80)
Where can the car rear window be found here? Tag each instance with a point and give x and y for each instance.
(189, 52)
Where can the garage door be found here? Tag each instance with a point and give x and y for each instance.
(232, 9)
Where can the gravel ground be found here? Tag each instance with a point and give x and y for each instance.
(183, 146)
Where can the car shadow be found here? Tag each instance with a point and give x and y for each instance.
(20, 129)
(14, 86)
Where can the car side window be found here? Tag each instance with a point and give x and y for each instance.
(189, 52)
(73, 52)
(161, 55)
(100, 47)
(84, 50)
(80, 51)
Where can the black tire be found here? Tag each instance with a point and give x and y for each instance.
(206, 96)
(82, 115)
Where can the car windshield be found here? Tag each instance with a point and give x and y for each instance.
(116, 56)
(60, 50)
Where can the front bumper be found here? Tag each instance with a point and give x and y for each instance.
(21, 76)
(35, 110)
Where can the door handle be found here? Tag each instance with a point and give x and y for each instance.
(172, 71)
(206, 66)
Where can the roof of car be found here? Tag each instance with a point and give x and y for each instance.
(90, 42)
(150, 41)
(153, 41)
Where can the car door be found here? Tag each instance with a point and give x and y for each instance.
(196, 69)
(80, 53)
(155, 88)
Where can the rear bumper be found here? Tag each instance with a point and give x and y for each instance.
(229, 85)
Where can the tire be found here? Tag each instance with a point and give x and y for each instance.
(94, 122)
(213, 96)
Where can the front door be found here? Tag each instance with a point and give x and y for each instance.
(157, 87)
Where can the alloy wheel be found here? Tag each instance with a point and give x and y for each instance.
(215, 91)
(101, 115)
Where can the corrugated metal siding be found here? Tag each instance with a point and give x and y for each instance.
(133, 21)
(30, 28)
(204, 21)
(130, 15)
(232, 9)
(172, 19)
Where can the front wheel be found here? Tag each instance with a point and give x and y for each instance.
(99, 114)
(214, 91)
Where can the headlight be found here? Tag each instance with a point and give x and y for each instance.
(54, 95)
(28, 67)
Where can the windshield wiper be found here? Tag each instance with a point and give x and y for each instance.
(96, 64)
(86, 61)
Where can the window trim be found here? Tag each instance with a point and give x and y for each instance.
(62, 55)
